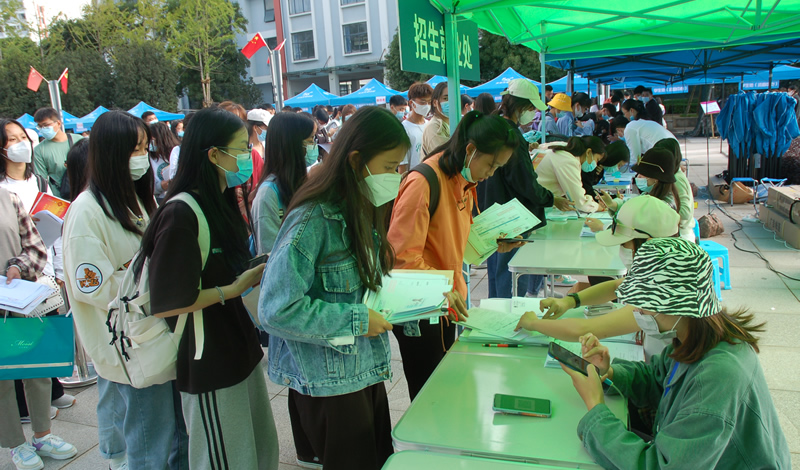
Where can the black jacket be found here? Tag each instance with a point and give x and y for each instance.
(516, 179)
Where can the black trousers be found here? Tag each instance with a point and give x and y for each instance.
(421, 354)
(352, 431)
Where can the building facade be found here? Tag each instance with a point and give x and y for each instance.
(337, 44)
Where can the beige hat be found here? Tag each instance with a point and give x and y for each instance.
(259, 115)
(641, 217)
(524, 88)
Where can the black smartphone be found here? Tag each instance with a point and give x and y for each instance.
(524, 406)
(257, 261)
(571, 360)
(515, 240)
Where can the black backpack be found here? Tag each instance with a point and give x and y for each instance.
(433, 182)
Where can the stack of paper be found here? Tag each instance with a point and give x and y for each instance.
(522, 305)
(500, 324)
(49, 212)
(617, 350)
(553, 214)
(408, 296)
(506, 220)
(22, 296)
(476, 336)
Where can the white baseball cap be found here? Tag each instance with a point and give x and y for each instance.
(524, 88)
(641, 217)
(259, 115)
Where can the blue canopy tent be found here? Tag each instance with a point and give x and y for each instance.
(760, 81)
(86, 122)
(140, 109)
(310, 97)
(69, 120)
(27, 121)
(498, 84)
(579, 84)
(374, 92)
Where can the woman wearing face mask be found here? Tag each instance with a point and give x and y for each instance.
(480, 145)
(330, 249)
(616, 155)
(138, 428)
(560, 170)
(713, 406)
(634, 110)
(290, 149)
(161, 145)
(560, 106)
(639, 220)
(223, 392)
(437, 130)
(517, 180)
(177, 129)
(575, 123)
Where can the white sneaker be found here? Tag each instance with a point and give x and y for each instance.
(25, 458)
(64, 401)
(54, 447)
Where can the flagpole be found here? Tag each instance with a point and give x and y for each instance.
(55, 97)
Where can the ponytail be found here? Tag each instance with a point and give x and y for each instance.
(489, 134)
(641, 112)
(575, 146)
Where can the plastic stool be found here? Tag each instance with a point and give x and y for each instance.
(715, 278)
(752, 181)
(696, 231)
(716, 251)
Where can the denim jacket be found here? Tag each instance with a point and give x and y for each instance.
(311, 295)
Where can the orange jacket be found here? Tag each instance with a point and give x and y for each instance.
(420, 242)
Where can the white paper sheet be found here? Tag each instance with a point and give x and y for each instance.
(494, 322)
(22, 296)
(521, 305)
(49, 226)
(511, 219)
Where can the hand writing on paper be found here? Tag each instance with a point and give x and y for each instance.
(589, 388)
(554, 308)
(377, 324)
(456, 302)
(593, 224)
(505, 247)
(11, 274)
(563, 204)
(596, 353)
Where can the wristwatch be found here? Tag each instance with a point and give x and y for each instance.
(576, 298)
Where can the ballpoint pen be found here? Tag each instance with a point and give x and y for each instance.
(502, 345)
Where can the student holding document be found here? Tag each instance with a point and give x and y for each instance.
(324, 344)
(421, 240)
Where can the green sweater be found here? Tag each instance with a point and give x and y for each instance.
(717, 413)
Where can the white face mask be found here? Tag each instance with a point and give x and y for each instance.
(139, 164)
(422, 109)
(650, 327)
(578, 111)
(626, 255)
(383, 187)
(526, 117)
(19, 152)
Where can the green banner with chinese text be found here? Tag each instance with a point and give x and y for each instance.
(422, 41)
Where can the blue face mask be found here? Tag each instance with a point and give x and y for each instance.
(607, 118)
(345, 118)
(587, 167)
(48, 132)
(180, 134)
(244, 164)
(153, 147)
(466, 172)
(262, 136)
(445, 107)
(633, 118)
(400, 115)
(312, 153)
(645, 99)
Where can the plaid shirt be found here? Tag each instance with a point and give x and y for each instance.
(32, 260)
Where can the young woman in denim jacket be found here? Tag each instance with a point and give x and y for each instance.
(325, 344)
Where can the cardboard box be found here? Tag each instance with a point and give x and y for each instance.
(781, 200)
(781, 226)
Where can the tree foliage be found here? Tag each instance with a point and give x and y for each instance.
(143, 72)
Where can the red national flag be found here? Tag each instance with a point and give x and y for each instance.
(280, 46)
(63, 80)
(34, 79)
(254, 45)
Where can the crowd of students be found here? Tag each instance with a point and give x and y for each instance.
(199, 198)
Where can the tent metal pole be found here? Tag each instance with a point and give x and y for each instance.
(769, 85)
(571, 78)
(453, 72)
(542, 85)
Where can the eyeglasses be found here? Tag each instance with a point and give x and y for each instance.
(652, 164)
(615, 223)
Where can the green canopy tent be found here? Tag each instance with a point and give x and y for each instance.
(574, 29)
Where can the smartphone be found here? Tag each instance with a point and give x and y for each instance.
(524, 406)
(515, 240)
(261, 259)
(571, 360)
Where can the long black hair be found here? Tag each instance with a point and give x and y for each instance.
(436, 98)
(485, 104)
(164, 140)
(489, 134)
(115, 136)
(577, 146)
(77, 167)
(285, 154)
(211, 128)
(370, 131)
(4, 141)
(641, 112)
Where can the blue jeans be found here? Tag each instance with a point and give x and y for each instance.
(500, 278)
(146, 424)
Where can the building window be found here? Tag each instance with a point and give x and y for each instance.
(269, 11)
(303, 45)
(299, 6)
(351, 2)
(355, 38)
(344, 88)
(272, 43)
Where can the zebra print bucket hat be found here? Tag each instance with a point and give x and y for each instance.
(671, 276)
